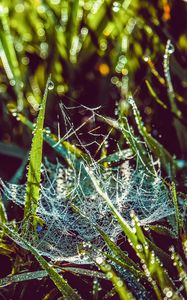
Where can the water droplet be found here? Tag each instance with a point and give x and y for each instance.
(171, 48)
(168, 293)
(119, 283)
(50, 85)
(139, 247)
(99, 260)
(12, 82)
(47, 130)
(109, 275)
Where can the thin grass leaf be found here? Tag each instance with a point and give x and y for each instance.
(181, 268)
(136, 146)
(72, 24)
(167, 161)
(171, 94)
(118, 284)
(180, 128)
(34, 171)
(120, 255)
(126, 228)
(156, 273)
(153, 269)
(85, 272)
(9, 58)
(178, 219)
(153, 93)
(41, 274)
(117, 156)
(3, 215)
(162, 230)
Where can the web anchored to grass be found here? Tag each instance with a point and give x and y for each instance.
(71, 210)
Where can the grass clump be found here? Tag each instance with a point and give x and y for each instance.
(100, 212)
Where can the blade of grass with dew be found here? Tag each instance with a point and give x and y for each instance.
(34, 172)
(120, 263)
(139, 150)
(126, 228)
(162, 230)
(120, 255)
(85, 272)
(153, 269)
(156, 273)
(66, 290)
(179, 127)
(175, 203)
(137, 146)
(3, 215)
(41, 274)
(167, 161)
(8, 56)
(71, 29)
(153, 93)
(117, 282)
(117, 156)
(181, 268)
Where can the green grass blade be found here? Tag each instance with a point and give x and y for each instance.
(117, 156)
(117, 282)
(153, 269)
(175, 203)
(156, 148)
(3, 215)
(9, 58)
(162, 230)
(181, 268)
(126, 228)
(154, 95)
(72, 24)
(34, 171)
(119, 254)
(41, 274)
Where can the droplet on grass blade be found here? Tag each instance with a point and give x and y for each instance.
(51, 85)
(171, 48)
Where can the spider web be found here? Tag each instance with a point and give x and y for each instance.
(70, 208)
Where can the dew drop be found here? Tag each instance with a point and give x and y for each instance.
(12, 82)
(119, 283)
(50, 85)
(109, 275)
(171, 48)
(99, 260)
(47, 130)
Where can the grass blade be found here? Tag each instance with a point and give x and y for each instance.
(9, 58)
(3, 215)
(34, 171)
(156, 148)
(118, 284)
